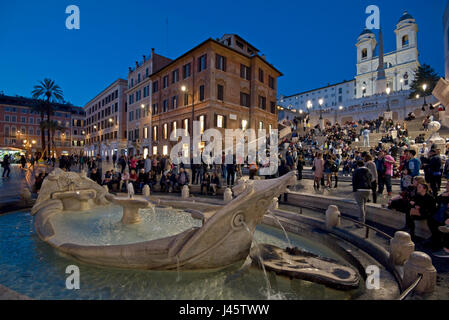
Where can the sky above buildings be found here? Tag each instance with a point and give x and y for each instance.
(311, 42)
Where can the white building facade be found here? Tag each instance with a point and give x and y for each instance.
(362, 98)
(400, 65)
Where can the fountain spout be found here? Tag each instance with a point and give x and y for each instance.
(130, 190)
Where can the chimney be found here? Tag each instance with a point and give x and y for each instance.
(144, 58)
(137, 64)
(152, 52)
(130, 69)
(263, 57)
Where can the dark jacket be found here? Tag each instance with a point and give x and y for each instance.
(361, 179)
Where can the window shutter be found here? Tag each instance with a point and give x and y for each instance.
(224, 122)
(217, 66)
(242, 72)
(205, 61)
(215, 120)
(224, 64)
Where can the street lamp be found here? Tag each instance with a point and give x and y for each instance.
(321, 108)
(401, 81)
(388, 90)
(424, 88)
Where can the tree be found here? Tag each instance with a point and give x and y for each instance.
(49, 90)
(424, 75)
(40, 107)
(53, 126)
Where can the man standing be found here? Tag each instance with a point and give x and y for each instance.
(361, 185)
(435, 171)
(6, 166)
(365, 134)
(147, 165)
(413, 163)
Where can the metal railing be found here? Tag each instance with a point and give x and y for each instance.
(410, 289)
(368, 228)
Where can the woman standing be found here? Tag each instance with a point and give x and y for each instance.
(318, 167)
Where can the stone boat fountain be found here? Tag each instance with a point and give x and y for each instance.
(223, 239)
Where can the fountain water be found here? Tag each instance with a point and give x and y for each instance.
(130, 190)
(267, 281)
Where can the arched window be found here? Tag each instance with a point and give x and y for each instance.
(364, 53)
(405, 40)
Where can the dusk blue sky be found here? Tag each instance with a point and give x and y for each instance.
(311, 42)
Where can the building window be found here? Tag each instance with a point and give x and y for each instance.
(405, 41)
(364, 53)
(220, 62)
(245, 72)
(186, 98)
(165, 150)
(202, 63)
(175, 102)
(165, 132)
(261, 75)
(244, 124)
(244, 99)
(155, 133)
(273, 107)
(165, 82)
(271, 82)
(270, 128)
(186, 70)
(165, 105)
(220, 121)
(262, 102)
(220, 92)
(145, 132)
(201, 120)
(186, 127)
(155, 86)
(154, 150)
(202, 93)
(131, 116)
(174, 127)
(154, 108)
(175, 76)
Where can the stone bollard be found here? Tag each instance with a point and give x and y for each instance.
(332, 216)
(185, 192)
(274, 204)
(227, 195)
(420, 263)
(401, 247)
(146, 191)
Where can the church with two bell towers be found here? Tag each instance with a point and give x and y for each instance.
(398, 67)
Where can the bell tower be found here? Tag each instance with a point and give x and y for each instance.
(406, 32)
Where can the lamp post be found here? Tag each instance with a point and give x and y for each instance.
(424, 88)
(340, 108)
(320, 102)
(186, 91)
(388, 90)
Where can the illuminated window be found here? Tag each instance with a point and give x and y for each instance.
(145, 133)
(244, 124)
(186, 127)
(154, 150)
(165, 130)
(220, 121)
(154, 133)
(174, 127)
(201, 119)
(260, 125)
(165, 150)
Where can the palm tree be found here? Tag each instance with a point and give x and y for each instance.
(49, 90)
(53, 126)
(40, 107)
